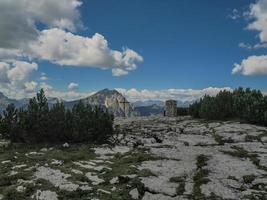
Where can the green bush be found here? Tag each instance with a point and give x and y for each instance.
(41, 124)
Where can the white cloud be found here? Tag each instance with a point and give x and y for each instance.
(235, 14)
(14, 78)
(40, 30)
(177, 94)
(65, 48)
(250, 47)
(30, 87)
(119, 72)
(253, 65)
(66, 95)
(73, 86)
(21, 70)
(258, 12)
(18, 19)
(43, 78)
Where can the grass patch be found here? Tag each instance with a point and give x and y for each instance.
(218, 139)
(202, 161)
(242, 153)
(200, 177)
(252, 138)
(181, 181)
(249, 178)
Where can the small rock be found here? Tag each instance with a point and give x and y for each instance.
(114, 180)
(57, 162)
(76, 171)
(46, 195)
(21, 188)
(104, 191)
(44, 150)
(66, 145)
(134, 193)
(12, 173)
(264, 139)
(6, 161)
(85, 188)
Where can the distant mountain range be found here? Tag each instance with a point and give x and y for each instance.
(161, 103)
(110, 99)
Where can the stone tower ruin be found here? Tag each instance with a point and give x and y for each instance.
(171, 108)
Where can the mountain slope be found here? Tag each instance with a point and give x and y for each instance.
(149, 110)
(110, 99)
(4, 101)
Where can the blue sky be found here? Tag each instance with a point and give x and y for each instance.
(184, 44)
(181, 44)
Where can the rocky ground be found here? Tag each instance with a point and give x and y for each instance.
(153, 158)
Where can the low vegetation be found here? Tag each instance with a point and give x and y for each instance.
(38, 123)
(200, 176)
(243, 104)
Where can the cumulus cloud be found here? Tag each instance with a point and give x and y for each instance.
(65, 48)
(47, 30)
(258, 12)
(66, 95)
(251, 47)
(253, 65)
(235, 14)
(177, 94)
(30, 87)
(43, 77)
(14, 78)
(19, 18)
(73, 86)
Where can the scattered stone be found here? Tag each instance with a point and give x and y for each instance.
(56, 177)
(12, 173)
(94, 178)
(134, 193)
(103, 191)
(19, 166)
(149, 196)
(264, 139)
(66, 145)
(86, 188)
(20, 188)
(44, 150)
(6, 161)
(57, 162)
(46, 195)
(4, 143)
(114, 180)
(76, 171)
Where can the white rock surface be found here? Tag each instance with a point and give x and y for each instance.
(94, 178)
(134, 193)
(46, 195)
(56, 177)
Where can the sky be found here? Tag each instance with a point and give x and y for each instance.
(146, 49)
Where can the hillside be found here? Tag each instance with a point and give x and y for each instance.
(154, 158)
(110, 99)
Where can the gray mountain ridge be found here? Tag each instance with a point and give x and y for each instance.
(106, 98)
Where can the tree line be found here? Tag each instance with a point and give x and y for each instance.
(243, 104)
(40, 124)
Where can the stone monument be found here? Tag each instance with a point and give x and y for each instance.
(170, 108)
